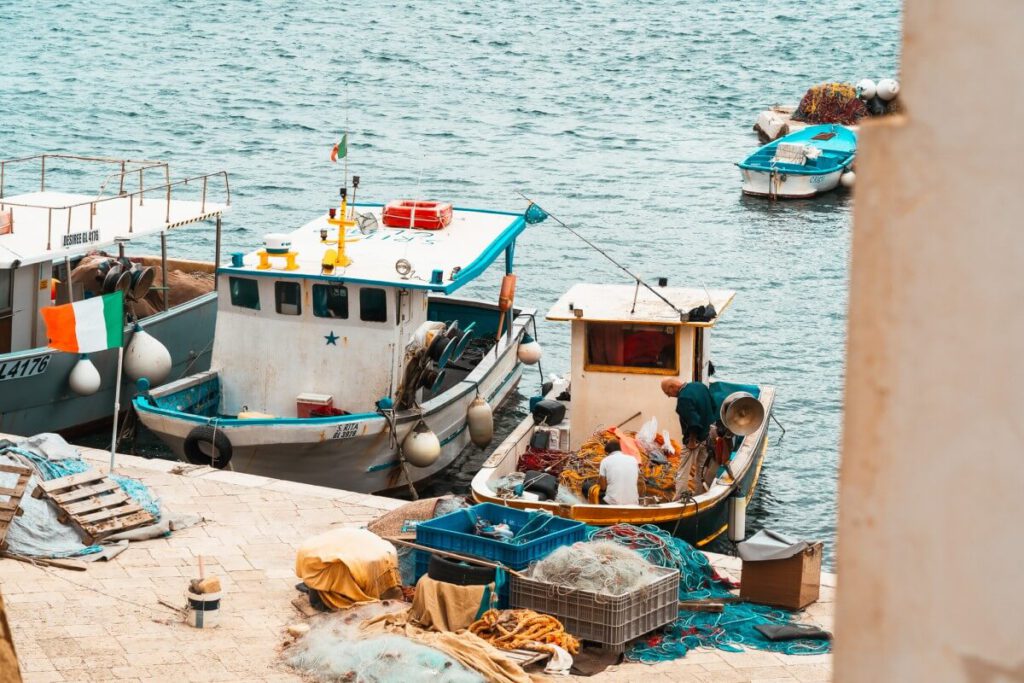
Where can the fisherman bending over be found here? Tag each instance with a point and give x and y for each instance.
(697, 418)
(620, 474)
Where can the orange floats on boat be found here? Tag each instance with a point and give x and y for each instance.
(421, 215)
(506, 296)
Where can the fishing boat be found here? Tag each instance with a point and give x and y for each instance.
(341, 357)
(52, 242)
(626, 339)
(810, 161)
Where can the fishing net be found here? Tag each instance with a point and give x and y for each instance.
(658, 464)
(335, 650)
(831, 103)
(602, 567)
(542, 460)
(731, 630)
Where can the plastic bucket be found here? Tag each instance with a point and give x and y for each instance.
(203, 609)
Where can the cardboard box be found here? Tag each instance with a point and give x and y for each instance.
(792, 583)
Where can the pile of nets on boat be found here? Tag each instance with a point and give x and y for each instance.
(831, 103)
(658, 457)
(604, 567)
(542, 460)
(731, 630)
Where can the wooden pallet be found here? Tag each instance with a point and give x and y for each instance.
(11, 508)
(94, 504)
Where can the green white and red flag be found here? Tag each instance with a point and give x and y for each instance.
(85, 326)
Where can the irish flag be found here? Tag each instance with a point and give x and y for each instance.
(86, 326)
(340, 149)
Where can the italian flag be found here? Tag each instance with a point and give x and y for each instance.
(340, 149)
(85, 326)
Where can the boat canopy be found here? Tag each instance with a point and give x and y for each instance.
(50, 225)
(441, 260)
(615, 303)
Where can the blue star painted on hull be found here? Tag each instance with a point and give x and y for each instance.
(332, 339)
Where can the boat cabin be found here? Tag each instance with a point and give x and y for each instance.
(320, 318)
(625, 340)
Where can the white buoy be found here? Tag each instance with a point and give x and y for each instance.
(529, 350)
(147, 357)
(737, 518)
(84, 378)
(421, 446)
(848, 179)
(888, 89)
(866, 88)
(481, 422)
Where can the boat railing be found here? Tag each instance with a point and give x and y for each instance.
(127, 167)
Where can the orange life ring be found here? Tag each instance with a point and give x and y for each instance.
(417, 214)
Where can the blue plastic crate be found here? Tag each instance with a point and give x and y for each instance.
(454, 532)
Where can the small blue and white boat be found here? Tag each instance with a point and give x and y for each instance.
(802, 164)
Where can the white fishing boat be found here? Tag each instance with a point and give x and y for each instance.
(52, 237)
(810, 161)
(626, 339)
(341, 357)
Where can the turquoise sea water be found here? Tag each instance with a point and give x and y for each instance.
(624, 119)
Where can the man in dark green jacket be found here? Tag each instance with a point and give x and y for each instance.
(697, 418)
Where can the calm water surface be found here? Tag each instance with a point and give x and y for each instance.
(624, 119)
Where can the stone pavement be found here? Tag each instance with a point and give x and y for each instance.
(108, 623)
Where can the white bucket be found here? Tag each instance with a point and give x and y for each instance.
(203, 609)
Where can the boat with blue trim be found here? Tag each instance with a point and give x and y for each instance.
(810, 161)
(626, 340)
(341, 357)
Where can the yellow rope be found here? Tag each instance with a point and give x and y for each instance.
(523, 629)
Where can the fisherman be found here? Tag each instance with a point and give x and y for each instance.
(620, 476)
(696, 411)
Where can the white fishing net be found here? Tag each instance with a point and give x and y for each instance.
(600, 566)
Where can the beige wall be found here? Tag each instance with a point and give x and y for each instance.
(931, 529)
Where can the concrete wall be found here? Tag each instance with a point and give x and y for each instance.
(932, 478)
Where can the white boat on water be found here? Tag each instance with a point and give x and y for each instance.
(52, 237)
(810, 161)
(341, 357)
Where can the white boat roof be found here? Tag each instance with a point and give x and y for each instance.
(471, 242)
(52, 225)
(614, 303)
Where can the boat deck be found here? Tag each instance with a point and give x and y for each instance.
(107, 623)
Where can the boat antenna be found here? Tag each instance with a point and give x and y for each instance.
(639, 280)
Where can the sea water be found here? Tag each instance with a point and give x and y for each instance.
(624, 119)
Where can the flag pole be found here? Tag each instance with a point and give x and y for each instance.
(117, 405)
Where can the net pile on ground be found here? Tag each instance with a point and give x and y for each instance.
(523, 629)
(731, 630)
(659, 472)
(831, 103)
(602, 567)
(335, 650)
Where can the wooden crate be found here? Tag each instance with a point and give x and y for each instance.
(94, 504)
(11, 508)
(792, 583)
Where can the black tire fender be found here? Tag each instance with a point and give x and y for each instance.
(458, 573)
(542, 483)
(218, 441)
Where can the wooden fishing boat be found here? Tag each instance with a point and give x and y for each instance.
(52, 234)
(340, 357)
(802, 164)
(625, 340)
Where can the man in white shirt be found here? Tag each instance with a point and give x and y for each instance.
(620, 474)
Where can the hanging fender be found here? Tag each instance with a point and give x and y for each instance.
(508, 293)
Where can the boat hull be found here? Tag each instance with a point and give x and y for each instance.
(788, 186)
(44, 402)
(353, 452)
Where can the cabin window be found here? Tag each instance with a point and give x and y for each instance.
(330, 301)
(245, 292)
(644, 349)
(288, 298)
(373, 305)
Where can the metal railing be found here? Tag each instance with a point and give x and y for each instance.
(127, 167)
